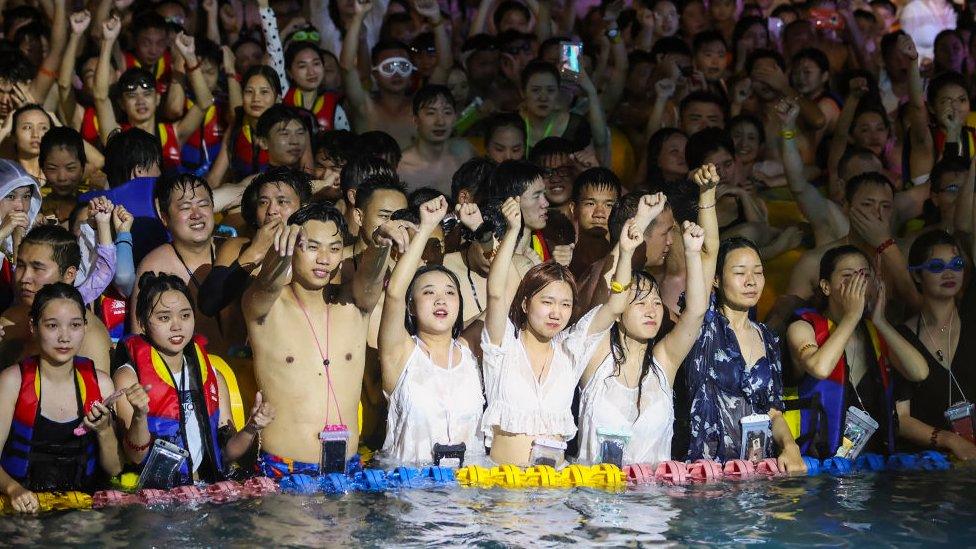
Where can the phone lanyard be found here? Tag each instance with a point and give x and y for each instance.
(450, 365)
(474, 290)
(323, 353)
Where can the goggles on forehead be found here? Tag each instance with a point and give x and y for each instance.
(936, 265)
(141, 84)
(395, 65)
(305, 35)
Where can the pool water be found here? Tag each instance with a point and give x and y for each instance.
(918, 509)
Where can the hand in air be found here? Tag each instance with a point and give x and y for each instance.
(648, 208)
(209, 6)
(563, 254)
(664, 88)
(121, 5)
(186, 45)
(428, 9)
(906, 46)
(362, 7)
(853, 294)
(121, 219)
(111, 28)
(100, 209)
(585, 158)
(79, 21)
(692, 236)
(880, 303)
(858, 87)
(229, 61)
(631, 236)
(278, 263)
(262, 413)
(138, 398)
(98, 419)
(772, 76)
(949, 119)
(395, 233)
(706, 177)
(432, 212)
(512, 212)
(231, 17)
(787, 110)
(469, 215)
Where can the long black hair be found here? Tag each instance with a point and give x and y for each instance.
(410, 319)
(152, 286)
(644, 284)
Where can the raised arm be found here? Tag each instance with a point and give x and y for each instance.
(773, 76)
(213, 25)
(706, 177)
(631, 236)
(904, 356)
(673, 349)
(480, 23)
(828, 222)
(922, 156)
(275, 274)
(107, 124)
(235, 97)
(367, 283)
(202, 98)
(838, 143)
(272, 43)
(394, 341)
(819, 361)
(356, 97)
(613, 90)
(499, 298)
(597, 119)
(46, 77)
(431, 11)
(79, 24)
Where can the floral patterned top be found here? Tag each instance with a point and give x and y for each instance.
(723, 388)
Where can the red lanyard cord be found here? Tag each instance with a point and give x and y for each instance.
(323, 353)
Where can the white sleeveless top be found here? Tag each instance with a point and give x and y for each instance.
(609, 404)
(431, 404)
(517, 402)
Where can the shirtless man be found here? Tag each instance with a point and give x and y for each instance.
(308, 335)
(432, 160)
(48, 254)
(595, 192)
(185, 205)
(390, 109)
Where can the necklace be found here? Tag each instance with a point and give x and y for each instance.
(946, 329)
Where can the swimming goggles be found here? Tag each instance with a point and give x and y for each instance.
(308, 34)
(395, 65)
(936, 265)
(132, 86)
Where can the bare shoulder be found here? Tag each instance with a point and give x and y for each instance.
(10, 377)
(160, 259)
(461, 149)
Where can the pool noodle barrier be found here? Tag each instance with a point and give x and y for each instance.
(603, 476)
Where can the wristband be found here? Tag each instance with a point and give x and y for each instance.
(128, 444)
(787, 134)
(190, 69)
(47, 72)
(237, 77)
(250, 429)
(618, 288)
(706, 206)
(885, 245)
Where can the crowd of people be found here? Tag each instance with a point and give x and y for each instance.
(503, 231)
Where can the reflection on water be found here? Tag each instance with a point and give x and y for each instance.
(921, 509)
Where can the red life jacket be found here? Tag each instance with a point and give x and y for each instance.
(89, 127)
(165, 416)
(17, 452)
(248, 158)
(210, 134)
(323, 109)
(162, 70)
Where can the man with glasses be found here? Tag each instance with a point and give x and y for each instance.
(390, 108)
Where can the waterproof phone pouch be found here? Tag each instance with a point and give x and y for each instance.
(546, 451)
(857, 431)
(162, 465)
(756, 435)
(612, 444)
(960, 416)
(449, 455)
(334, 439)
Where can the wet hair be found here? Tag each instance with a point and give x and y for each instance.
(50, 292)
(816, 55)
(297, 180)
(764, 53)
(472, 176)
(294, 48)
(478, 43)
(34, 29)
(164, 192)
(830, 259)
(128, 150)
(152, 286)
(385, 46)
(377, 182)
(889, 42)
(669, 45)
(65, 250)
(871, 108)
(705, 142)
(208, 50)
(644, 284)
(535, 67)
(320, 211)
(655, 145)
(781, 9)
(599, 178)
(133, 78)
(429, 94)
(534, 281)
(509, 5)
(921, 249)
(853, 152)
(424, 194)
(624, 210)
(744, 24)
(511, 178)
(942, 81)
(410, 319)
(265, 71)
(339, 145)
(14, 66)
(705, 38)
(504, 120)
(23, 11)
(728, 246)
(359, 168)
(855, 183)
(750, 120)
(148, 20)
(944, 35)
(280, 114)
(381, 145)
(701, 96)
(550, 147)
(63, 137)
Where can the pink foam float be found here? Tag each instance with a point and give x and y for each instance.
(672, 472)
(639, 473)
(188, 494)
(768, 467)
(705, 470)
(259, 486)
(114, 498)
(224, 491)
(739, 469)
(152, 496)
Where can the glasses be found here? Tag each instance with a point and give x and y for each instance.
(429, 50)
(304, 35)
(395, 65)
(133, 86)
(936, 265)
